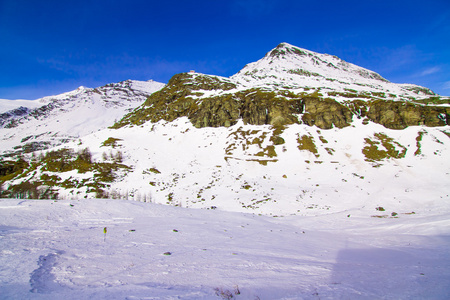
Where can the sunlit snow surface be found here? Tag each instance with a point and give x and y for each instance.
(58, 250)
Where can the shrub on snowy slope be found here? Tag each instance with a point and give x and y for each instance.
(42, 177)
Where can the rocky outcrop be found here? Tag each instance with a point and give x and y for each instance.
(9, 167)
(182, 97)
(326, 113)
(186, 95)
(10, 115)
(216, 112)
(399, 115)
(254, 107)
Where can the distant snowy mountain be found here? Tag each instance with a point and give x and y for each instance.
(296, 132)
(11, 105)
(49, 121)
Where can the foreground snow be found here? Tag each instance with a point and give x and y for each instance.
(58, 250)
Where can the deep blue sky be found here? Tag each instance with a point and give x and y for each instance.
(52, 46)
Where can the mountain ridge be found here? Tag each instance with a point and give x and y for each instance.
(56, 119)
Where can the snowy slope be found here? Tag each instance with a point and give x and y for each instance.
(58, 250)
(297, 69)
(178, 164)
(55, 119)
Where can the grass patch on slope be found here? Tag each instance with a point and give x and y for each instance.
(306, 142)
(374, 152)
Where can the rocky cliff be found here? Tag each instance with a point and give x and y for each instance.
(212, 101)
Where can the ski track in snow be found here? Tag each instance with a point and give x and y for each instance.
(58, 250)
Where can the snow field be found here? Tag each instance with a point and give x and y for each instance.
(58, 250)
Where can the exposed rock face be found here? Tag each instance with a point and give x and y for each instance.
(181, 98)
(187, 95)
(399, 115)
(254, 107)
(8, 116)
(326, 113)
(9, 168)
(215, 112)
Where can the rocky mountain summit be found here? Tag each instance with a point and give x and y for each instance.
(296, 132)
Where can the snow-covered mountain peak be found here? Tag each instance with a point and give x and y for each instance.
(286, 58)
(294, 68)
(288, 49)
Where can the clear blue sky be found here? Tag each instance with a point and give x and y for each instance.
(52, 46)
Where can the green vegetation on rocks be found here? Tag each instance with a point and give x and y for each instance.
(418, 144)
(326, 113)
(434, 100)
(10, 169)
(265, 142)
(399, 115)
(187, 95)
(181, 97)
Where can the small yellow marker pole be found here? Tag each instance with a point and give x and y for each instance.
(104, 231)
